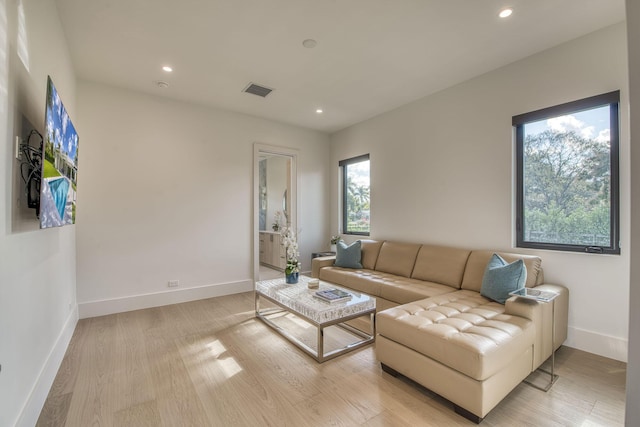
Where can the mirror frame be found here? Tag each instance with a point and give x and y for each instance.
(291, 153)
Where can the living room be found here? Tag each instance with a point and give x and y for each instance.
(165, 192)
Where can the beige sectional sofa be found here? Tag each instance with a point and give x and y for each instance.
(434, 327)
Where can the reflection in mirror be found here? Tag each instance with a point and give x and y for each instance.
(275, 205)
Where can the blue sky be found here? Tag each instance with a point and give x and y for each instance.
(593, 123)
(59, 128)
(359, 172)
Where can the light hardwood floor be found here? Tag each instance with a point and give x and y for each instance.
(212, 363)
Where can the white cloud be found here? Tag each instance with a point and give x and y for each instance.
(604, 136)
(570, 123)
(565, 124)
(65, 121)
(588, 132)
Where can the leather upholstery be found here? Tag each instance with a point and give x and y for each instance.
(370, 251)
(444, 334)
(540, 314)
(441, 264)
(478, 260)
(397, 258)
(477, 397)
(317, 264)
(461, 330)
(388, 286)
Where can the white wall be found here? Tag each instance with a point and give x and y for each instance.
(632, 413)
(166, 193)
(442, 172)
(37, 267)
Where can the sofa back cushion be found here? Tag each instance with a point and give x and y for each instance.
(441, 264)
(370, 251)
(478, 260)
(397, 258)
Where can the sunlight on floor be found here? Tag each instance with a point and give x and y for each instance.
(228, 364)
(216, 348)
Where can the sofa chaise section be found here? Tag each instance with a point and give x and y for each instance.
(435, 327)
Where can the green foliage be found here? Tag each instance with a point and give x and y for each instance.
(566, 189)
(49, 170)
(48, 150)
(358, 207)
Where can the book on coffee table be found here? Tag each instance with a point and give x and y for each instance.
(332, 295)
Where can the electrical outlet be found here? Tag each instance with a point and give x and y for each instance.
(18, 155)
(173, 283)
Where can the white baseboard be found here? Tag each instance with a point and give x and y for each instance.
(137, 302)
(600, 344)
(32, 408)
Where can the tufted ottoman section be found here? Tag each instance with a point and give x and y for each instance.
(461, 330)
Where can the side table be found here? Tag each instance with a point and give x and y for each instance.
(320, 254)
(544, 297)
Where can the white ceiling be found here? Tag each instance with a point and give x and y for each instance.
(372, 55)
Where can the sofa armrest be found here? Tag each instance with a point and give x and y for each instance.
(320, 262)
(541, 315)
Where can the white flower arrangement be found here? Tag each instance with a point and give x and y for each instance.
(291, 246)
(276, 223)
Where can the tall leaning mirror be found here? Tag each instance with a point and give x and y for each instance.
(275, 207)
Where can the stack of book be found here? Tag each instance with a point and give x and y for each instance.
(333, 295)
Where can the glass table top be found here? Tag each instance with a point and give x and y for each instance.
(300, 299)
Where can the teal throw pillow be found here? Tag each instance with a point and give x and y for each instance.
(349, 256)
(500, 278)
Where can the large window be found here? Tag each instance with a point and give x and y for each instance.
(567, 176)
(355, 195)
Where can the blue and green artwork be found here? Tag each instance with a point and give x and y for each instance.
(60, 164)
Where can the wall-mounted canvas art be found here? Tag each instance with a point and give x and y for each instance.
(59, 164)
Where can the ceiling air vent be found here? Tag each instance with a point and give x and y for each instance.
(257, 90)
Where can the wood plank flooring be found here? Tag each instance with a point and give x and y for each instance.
(212, 363)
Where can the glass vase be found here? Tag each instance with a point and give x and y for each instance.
(292, 278)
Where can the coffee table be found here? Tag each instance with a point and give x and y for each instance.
(299, 300)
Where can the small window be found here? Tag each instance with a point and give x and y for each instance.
(567, 195)
(356, 206)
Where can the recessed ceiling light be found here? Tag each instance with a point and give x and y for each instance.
(505, 13)
(167, 69)
(309, 43)
(319, 110)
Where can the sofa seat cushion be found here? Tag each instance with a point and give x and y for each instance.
(461, 330)
(394, 288)
(356, 279)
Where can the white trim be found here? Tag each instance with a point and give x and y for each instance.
(38, 395)
(596, 343)
(292, 153)
(137, 302)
